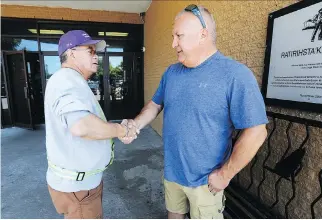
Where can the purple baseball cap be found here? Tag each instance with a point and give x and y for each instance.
(78, 38)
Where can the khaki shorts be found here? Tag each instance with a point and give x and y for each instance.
(199, 201)
(86, 204)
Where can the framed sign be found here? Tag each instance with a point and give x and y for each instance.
(293, 58)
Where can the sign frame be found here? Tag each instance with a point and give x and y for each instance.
(306, 106)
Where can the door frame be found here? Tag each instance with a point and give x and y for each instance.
(107, 85)
(42, 67)
(9, 89)
(106, 75)
(134, 81)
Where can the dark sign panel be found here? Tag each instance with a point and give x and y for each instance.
(293, 59)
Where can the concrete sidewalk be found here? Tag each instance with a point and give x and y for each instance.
(132, 185)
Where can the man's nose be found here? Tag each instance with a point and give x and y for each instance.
(174, 43)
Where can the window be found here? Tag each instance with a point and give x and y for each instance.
(52, 64)
(14, 44)
(17, 27)
(114, 49)
(92, 30)
(49, 44)
(53, 29)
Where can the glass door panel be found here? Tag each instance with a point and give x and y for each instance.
(96, 82)
(51, 65)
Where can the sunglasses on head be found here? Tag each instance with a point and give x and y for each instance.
(195, 10)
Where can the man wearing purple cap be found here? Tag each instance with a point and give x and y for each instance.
(78, 137)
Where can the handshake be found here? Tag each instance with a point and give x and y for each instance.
(132, 130)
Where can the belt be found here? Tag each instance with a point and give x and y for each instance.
(77, 175)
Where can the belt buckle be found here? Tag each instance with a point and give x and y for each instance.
(78, 175)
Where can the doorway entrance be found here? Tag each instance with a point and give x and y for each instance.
(117, 85)
(22, 85)
(30, 57)
(124, 81)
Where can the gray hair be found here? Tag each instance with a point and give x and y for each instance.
(63, 57)
(211, 21)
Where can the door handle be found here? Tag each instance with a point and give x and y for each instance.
(26, 92)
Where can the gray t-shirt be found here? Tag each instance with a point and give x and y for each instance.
(68, 98)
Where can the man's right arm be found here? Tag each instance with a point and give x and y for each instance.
(94, 128)
(153, 108)
(69, 104)
(147, 114)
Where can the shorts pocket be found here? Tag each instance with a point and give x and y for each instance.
(207, 212)
(86, 196)
(81, 195)
(213, 211)
(223, 203)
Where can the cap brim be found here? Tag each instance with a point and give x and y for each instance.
(99, 44)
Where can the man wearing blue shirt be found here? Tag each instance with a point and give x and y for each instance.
(205, 96)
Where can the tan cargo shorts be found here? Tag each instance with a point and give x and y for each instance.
(199, 201)
(86, 204)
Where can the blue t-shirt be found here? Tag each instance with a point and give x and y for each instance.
(202, 107)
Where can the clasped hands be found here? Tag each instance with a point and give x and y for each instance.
(132, 131)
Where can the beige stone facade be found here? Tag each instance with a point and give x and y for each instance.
(241, 31)
(20, 11)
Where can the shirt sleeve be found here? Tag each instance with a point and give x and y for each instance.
(247, 108)
(158, 97)
(73, 117)
(68, 101)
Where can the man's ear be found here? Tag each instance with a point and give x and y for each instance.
(70, 53)
(204, 35)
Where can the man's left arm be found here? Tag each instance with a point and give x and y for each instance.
(247, 113)
(244, 150)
